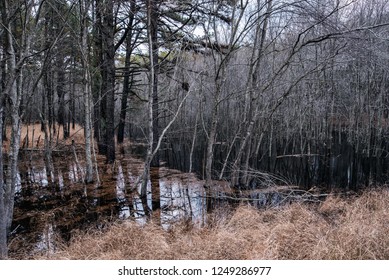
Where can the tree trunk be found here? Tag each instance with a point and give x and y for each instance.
(252, 85)
(109, 69)
(13, 153)
(88, 128)
(105, 54)
(152, 97)
(3, 220)
(153, 37)
(61, 95)
(99, 112)
(84, 6)
(45, 119)
(11, 90)
(210, 144)
(193, 142)
(127, 73)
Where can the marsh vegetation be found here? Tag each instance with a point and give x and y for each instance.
(148, 113)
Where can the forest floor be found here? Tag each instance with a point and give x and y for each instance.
(338, 228)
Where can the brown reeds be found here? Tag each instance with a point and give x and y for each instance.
(338, 228)
(32, 136)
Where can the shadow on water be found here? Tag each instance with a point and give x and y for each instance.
(52, 206)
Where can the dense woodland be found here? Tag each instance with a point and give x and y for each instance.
(249, 91)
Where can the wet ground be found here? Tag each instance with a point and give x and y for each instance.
(51, 208)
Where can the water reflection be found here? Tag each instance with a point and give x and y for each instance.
(37, 176)
(46, 241)
(76, 173)
(180, 200)
(124, 212)
(70, 204)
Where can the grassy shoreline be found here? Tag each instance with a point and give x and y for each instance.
(337, 228)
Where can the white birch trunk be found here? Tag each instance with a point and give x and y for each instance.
(84, 5)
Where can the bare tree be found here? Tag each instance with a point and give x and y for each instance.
(12, 93)
(84, 47)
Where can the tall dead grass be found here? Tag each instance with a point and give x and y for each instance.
(352, 228)
(32, 137)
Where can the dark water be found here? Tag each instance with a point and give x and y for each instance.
(53, 206)
(336, 163)
(56, 206)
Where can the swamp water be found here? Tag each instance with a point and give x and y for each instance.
(47, 208)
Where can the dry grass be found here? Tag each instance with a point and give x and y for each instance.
(353, 228)
(32, 137)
